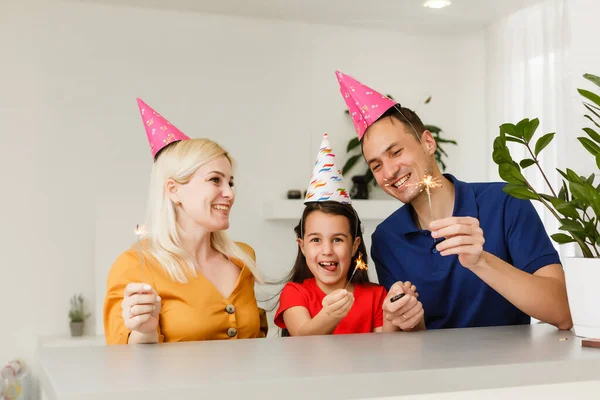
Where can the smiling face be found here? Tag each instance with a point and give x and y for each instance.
(397, 158)
(207, 198)
(328, 247)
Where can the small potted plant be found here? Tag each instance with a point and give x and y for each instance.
(77, 315)
(576, 206)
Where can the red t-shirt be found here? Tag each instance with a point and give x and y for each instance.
(365, 315)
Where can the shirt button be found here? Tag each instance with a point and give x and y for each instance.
(230, 309)
(434, 250)
(231, 332)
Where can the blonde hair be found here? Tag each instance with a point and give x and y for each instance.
(180, 161)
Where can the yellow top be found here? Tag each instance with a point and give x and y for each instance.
(189, 311)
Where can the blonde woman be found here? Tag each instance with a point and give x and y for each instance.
(195, 283)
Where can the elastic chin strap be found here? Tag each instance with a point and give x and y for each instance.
(399, 109)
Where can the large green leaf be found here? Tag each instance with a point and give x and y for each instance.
(592, 78)
(573, 177)
(561, 238)
(564, 174)
(543, 142)
(520, 127)
(511, 173)
(530, 129)
(526, 162)
(568, 210)
(352, 144)
(591, 179)
(501, 154)
(593, 196)
(508, 129)
(590, 146)
(592, 133)
(562, 194)
(555, 201)
(571, 226)
(593, 97)
(578, 192)
(520, 191)
(598, 160)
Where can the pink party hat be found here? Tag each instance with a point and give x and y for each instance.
(364, 104)
(160, 132)
(326, 182)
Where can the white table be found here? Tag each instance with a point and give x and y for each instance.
(498, 360)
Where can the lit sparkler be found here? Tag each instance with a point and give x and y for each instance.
(360, 264)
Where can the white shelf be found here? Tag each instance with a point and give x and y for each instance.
(368, 210)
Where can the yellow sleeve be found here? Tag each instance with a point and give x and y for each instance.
(125, 270)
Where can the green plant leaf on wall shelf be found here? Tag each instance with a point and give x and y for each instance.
(352, 144)
(445, 141)
(561, 238)
(592, 78)
(593, 97)
(350, 163)
(543, 142)
(519, 191)
(530, 129)
(598, 161)
(433, 128)
(527, 162)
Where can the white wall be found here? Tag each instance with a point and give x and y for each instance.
(584, 58)
(76, 168)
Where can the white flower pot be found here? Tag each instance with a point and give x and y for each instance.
(583, 276)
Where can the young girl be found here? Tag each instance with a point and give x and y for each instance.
(319, 297)
(318, 300)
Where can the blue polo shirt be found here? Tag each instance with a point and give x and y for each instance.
(453, 296)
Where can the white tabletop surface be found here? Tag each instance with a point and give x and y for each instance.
(332, 367)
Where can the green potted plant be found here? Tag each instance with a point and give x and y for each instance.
(77, 315)
(576, 206)
(353, 148)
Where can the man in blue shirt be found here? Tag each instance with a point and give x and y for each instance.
(478, 256)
